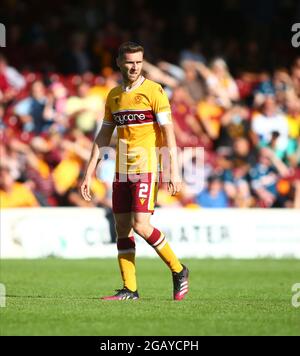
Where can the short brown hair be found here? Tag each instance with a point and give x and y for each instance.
(129, 47)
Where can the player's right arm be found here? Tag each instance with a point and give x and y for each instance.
(102, 140)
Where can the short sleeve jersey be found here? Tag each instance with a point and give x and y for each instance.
(138, 114)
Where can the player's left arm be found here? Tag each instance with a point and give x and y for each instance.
(162, 110)
(174, 184)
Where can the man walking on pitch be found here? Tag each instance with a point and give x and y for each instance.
(141, 111)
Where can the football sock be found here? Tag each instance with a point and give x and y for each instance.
(126, 258)
(158, 241)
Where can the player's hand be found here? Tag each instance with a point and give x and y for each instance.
(85, 189)
(174, 186)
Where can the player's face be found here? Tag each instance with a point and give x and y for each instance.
(131, 66)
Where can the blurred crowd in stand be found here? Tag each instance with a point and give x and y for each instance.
(241, 105)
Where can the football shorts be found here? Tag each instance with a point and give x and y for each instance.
(135, 193)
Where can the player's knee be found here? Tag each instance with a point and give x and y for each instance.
(139, 228)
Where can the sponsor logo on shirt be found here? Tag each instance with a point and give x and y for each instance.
(126, 118)
(133, 117)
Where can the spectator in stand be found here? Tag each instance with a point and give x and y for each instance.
(293, 119)
(236, 168)
(37, 170)
(244, 152)
(265, 176)
(236, 184)
(296, 76)
(235, 123)
(104, 83)
(273, 145)
(297, 191)
(209, 114)
(85, 108)
(193, 82)
(2, 124)
(264, 88)
(31, 110)
(12, 159)
(55, 154)
(11, 81)
(196, 168)
(14, 194)
(219, 81)
(56, 106)
(155, 73)
(294, 162)
(186, 74)
(269, 120)
(283, 87)
(188, 132)
(74, 152)
(214, 196)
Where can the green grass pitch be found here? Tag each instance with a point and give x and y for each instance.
(227, 297)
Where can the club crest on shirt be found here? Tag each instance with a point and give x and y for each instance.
(138, 99)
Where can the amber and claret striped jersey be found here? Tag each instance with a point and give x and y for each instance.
(138, 114)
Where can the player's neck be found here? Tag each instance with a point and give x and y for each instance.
(129, 86)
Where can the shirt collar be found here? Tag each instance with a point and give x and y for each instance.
(136, 85)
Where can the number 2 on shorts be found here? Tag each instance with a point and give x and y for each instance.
(143, 190)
